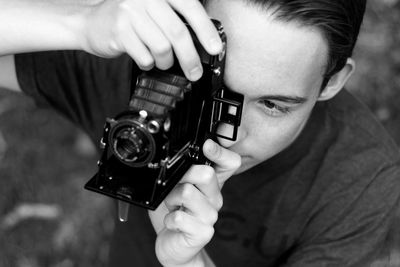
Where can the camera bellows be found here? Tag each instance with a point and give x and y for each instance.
(158, 93)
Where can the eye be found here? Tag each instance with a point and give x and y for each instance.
(274, 109)
(269, 104)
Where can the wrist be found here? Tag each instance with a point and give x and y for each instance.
(200, 260)
(71, 22)
(27, 26)
(196, 261)
(77, 23)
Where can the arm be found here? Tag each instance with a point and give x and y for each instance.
(149, 31)
(27, 26)
(39, 25)
(146, 30)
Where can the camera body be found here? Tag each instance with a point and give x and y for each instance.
(148, 147)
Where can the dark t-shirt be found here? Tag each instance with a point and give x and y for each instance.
(329, 199)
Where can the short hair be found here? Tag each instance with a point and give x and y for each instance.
(339, 22)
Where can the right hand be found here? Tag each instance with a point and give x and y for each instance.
(150, 31)
(184, 221)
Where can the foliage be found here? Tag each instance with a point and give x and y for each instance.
(377, 78)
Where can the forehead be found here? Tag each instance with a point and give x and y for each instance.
(268, 53)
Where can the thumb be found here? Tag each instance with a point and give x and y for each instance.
(226, 162)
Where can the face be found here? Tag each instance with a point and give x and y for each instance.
(278, 67)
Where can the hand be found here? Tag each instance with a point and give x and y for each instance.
(184, 221)
(150, 31)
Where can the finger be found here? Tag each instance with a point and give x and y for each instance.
(179, 37)
(205, 180)
(195, 14)
(137, 51)
(224, 159)
(194, 202)
(197, 232)
(153, 38)
(157, 216)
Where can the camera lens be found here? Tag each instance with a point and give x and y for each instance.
(131, 145)
(130, 140)
(128, 145)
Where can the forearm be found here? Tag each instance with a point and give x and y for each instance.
(149, 31)
(38, 25)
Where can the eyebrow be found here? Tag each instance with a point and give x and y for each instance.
(281, 98)
(287, 99)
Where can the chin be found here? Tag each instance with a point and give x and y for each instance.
(247, 163)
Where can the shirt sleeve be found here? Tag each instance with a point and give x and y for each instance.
(355, 227)
(84, 88)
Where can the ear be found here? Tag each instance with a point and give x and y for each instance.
(337, 81)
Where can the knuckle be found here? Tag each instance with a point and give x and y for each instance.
(208, 175)
(208, 234)
(178, 217)
(119, 28)
(162, 49)
(145, 63)
(178, 32)
(169, 202)
(187, 191)
(115, 46)
(187, 4)
(236, 162)
(210, 171)
(192, 4)
(119, 25)
(213, 217)
(218, 202)
(124, 5)
(175, 218)
(205, 235)
(165, 64)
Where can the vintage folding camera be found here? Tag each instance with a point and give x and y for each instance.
(148, 147)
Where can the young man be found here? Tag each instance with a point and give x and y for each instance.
(312, 179)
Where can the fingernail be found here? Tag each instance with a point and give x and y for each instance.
(216, 45)
(196, 73)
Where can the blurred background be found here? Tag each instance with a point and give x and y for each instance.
(47, 219)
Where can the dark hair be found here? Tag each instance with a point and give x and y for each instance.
(338, 20)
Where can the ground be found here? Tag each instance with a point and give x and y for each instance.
(47, 219)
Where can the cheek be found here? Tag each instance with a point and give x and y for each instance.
(280, 135)
(261, 137)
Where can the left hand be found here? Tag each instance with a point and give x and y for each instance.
(184, 221)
